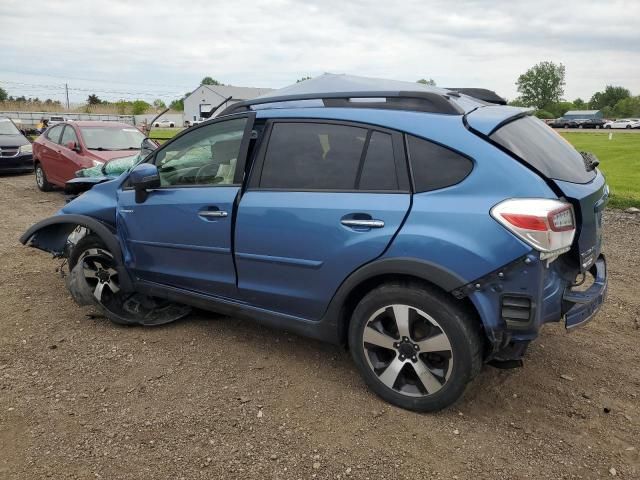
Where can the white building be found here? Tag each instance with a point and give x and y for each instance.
(206, 97)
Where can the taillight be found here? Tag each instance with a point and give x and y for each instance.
(547, 225)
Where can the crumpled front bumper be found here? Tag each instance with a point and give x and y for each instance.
(587, 303)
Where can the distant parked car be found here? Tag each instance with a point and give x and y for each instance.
(55, 119)
(15, 149)
(591, 123)
(66, 148)
(564, 123)
(164, 124)
(623, 123)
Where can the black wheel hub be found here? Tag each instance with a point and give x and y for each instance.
(407, 349)
(103, 276)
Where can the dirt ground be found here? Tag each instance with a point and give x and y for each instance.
(217, 397)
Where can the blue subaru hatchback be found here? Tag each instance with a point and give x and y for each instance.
(429, 230)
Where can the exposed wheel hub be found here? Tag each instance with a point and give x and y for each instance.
(103, 276)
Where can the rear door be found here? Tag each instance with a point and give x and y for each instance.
(48, 152)
(323, 199)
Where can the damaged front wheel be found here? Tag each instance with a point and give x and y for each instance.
(93, 279)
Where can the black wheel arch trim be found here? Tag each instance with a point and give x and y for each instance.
(51, 236)
(401, 266)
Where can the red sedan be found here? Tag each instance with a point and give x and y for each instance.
(68, 147)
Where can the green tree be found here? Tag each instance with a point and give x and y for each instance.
(627, 107)
(139, 106)
(431, 82)
(122, 106)
(609, 97)
(560, 108)
(579, 104)
(303, 79)
(542, 85)
(544, 114)
(177, 105)
(209, 81)
(3, 95)
(159, 104)
(517, 102)
(93, 100)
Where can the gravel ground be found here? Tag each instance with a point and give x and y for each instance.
(218, 397)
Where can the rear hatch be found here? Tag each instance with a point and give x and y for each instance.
(570, 174)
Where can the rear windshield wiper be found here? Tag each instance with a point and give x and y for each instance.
(101, 149)
(590, 161)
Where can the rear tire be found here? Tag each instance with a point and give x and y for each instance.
(41, 178)
(415, 346)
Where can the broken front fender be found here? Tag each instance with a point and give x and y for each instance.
(51, 235)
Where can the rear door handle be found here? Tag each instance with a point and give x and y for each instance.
(212, 213)
(364, 223)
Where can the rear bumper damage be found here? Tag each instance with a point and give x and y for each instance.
(516, 300)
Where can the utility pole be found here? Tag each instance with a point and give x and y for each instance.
(66, 91)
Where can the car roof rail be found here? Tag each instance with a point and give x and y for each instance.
(421, 101)
(483, 94)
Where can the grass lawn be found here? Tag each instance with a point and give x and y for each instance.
(164, 134)
(619, 160)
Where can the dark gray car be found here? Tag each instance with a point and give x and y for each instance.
(15, 149)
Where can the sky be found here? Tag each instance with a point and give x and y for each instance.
(151, 49)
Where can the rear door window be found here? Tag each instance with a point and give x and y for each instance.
(327, 156)
(434, 166)
(546, 151)
(312, 156)
(379, 168)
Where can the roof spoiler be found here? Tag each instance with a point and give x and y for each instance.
(481, 94)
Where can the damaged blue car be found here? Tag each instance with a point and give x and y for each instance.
(429, 230)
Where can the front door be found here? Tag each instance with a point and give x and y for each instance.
(324, 198)
(68, 160)
(180, 235)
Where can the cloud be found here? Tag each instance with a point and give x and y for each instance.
(162, 49)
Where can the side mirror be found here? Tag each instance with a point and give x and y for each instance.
(147, 146)
(144, 177)
(73, 146)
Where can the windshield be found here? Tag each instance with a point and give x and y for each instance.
(110, 138)
(8, 128)
(538, 145)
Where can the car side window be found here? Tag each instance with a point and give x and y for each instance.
(312, 156)
(435, 166)
(204, 156)
(53, 134)
(379, 169)
(69, 135)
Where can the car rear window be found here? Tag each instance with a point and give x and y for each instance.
(543, 149)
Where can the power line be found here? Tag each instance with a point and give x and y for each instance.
(65, 88)
(97, 80)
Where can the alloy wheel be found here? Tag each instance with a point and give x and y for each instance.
(407, 350)
(99, 272)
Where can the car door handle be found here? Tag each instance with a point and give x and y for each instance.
(213, 213)
(364, 223)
